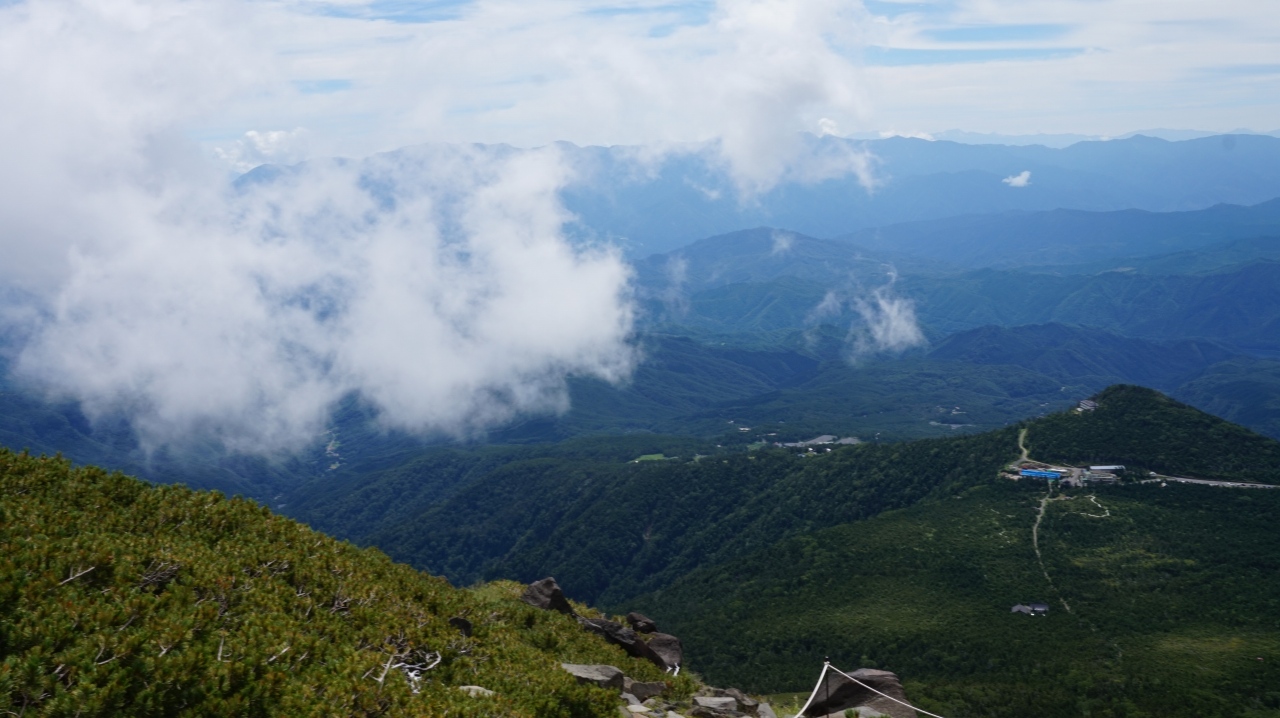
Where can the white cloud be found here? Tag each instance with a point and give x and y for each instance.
(890, 323)
(264, 147)
(248, 317)
(886, 322)
(436, 282)
(782, 242)
(1022, 179)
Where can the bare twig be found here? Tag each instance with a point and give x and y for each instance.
(74, 575)
(281, 653)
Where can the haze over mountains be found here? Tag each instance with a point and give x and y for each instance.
(998, 315)
(655, 202)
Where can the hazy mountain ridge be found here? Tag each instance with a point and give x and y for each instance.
(656, 203)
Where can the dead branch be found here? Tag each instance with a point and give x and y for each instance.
(74, 575)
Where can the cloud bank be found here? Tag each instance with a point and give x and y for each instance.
(437, 283)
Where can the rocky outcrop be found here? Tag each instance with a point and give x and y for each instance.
(618, 635)
(598, 675)
(641, 690)
(641, 623)
(666, 651)
(546, 594)
(836, 694)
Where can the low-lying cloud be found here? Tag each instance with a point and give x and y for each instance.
(886, 322)
(449, 304)
(1021, 179)
(435, 283)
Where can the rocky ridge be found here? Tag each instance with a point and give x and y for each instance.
(641, 639)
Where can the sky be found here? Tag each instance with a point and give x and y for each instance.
(361, 76)
(140, 282)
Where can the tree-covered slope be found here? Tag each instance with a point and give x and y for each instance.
(610, 530)
(1140, 427)
(1172, 594)
(119, 598)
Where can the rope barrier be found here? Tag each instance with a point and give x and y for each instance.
(821, 677)
(827, 665)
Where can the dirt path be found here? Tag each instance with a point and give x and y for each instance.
(1022, 445)
(1035, 544)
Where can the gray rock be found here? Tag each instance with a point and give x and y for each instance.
(673, 714)
(618, 635)
(706, 712)
(638, 709)
(841, 694)
(666, 651)
(643, 691)
(641, 623)
(764, 710)
(629, 697)
(600, 675)
(476, 691)
(719, 703)
(546, 594)
(745, 702)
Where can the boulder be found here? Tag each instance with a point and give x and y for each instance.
(546, 594)
(838, 694)
(638, 709)
(641, 623)
(627, 696)
(745, 702)
(764, 710)
(462, 624)
(708, 712)
(718, 703)
(641, 690)
(603, 676)
(618, 635)
(665, 650)
(476, 691)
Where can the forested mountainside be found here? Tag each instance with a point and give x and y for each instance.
(1172, 594)
(542, 513)
(119, 598)
(903, 556)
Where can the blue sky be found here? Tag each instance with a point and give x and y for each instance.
(634, 71)
(358, 76)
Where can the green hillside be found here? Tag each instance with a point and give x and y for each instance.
(610, 530)
(119, 598)
(1174, 596)
(1142, 428)
(908, 556)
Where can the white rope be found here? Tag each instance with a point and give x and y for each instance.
(864, 685)
(825, 666)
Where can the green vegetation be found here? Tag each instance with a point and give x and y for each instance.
(908, 556)
(608, 531)
(1141, 428)
(1174, 596)
(118, 598)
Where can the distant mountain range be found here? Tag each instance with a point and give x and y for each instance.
(662, 204)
